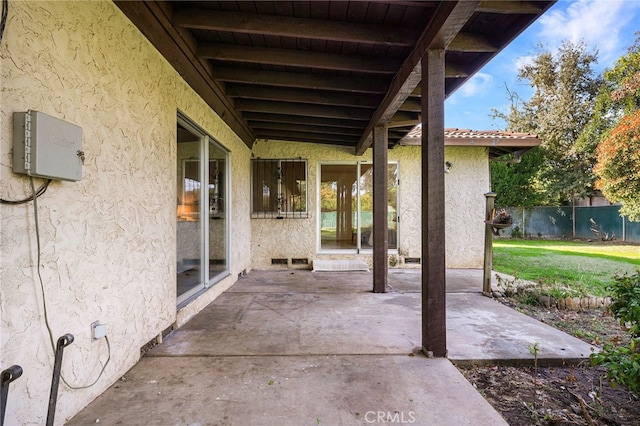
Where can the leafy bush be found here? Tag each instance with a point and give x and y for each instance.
(625, 294)
(622, 362)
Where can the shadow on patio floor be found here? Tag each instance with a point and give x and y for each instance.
(303, 348)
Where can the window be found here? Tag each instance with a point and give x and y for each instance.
(279, 188)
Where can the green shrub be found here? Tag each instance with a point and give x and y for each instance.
(623, 362)
(625, 295)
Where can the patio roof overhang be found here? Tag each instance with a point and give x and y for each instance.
(324, 71)
(353, 73)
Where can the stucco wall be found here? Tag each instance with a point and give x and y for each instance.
(465, 185)
(109, 240)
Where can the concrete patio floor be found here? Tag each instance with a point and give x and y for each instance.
(301, 348)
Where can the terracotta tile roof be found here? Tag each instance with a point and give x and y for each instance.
(467, 137)
(487, 134)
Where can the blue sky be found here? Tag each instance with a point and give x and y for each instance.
(605, 25)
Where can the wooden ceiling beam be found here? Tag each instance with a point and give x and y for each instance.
(303, 96)
(302, 109)
(467, 42)
(447, 21)
(302, 81)
(397, 134)
(404, 118)
(410, 3)
(168, 25)
(153, 20)
(509, 7)
(408, 123)
(411, 105)
(254, 117)
(297, 58)
(309, 137)
(455, 70)
(260, 126)
(519, 24)
(315, 29)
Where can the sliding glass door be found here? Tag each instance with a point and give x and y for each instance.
(346, 206)
(201, 222)
(338, 206)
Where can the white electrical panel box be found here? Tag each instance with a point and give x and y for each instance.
(46, 147)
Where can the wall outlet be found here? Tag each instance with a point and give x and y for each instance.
(98, 331)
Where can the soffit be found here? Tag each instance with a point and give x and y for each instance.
(324, 71)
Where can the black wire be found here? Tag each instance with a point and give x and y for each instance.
(38, 193)
(3, 19)
(34, 197)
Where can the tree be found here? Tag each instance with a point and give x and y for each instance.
(514, 181)
(618, 166)
(615, 130)
(618, 96)
(565, 89)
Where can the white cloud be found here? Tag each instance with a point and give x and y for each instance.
(521, 61)
(598, 23)
(478, 84)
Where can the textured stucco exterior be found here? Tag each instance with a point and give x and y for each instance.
(465, 186)
(109, 240)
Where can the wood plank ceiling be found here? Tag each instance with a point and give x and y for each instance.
(324, 71)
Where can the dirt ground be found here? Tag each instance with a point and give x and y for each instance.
(571, 395)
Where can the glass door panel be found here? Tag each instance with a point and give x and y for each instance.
(202, 225)
(338, 206)
(346, 202)
(190, 276)
(365, 192)
(218, 263)
(392, 205)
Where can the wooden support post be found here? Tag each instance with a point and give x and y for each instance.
(488, 244)
(434, 330)
(380, 213)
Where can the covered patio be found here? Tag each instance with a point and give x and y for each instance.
(177, 101)
(332, 353)
(357, 75)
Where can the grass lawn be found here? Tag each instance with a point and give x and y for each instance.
(583, 266)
